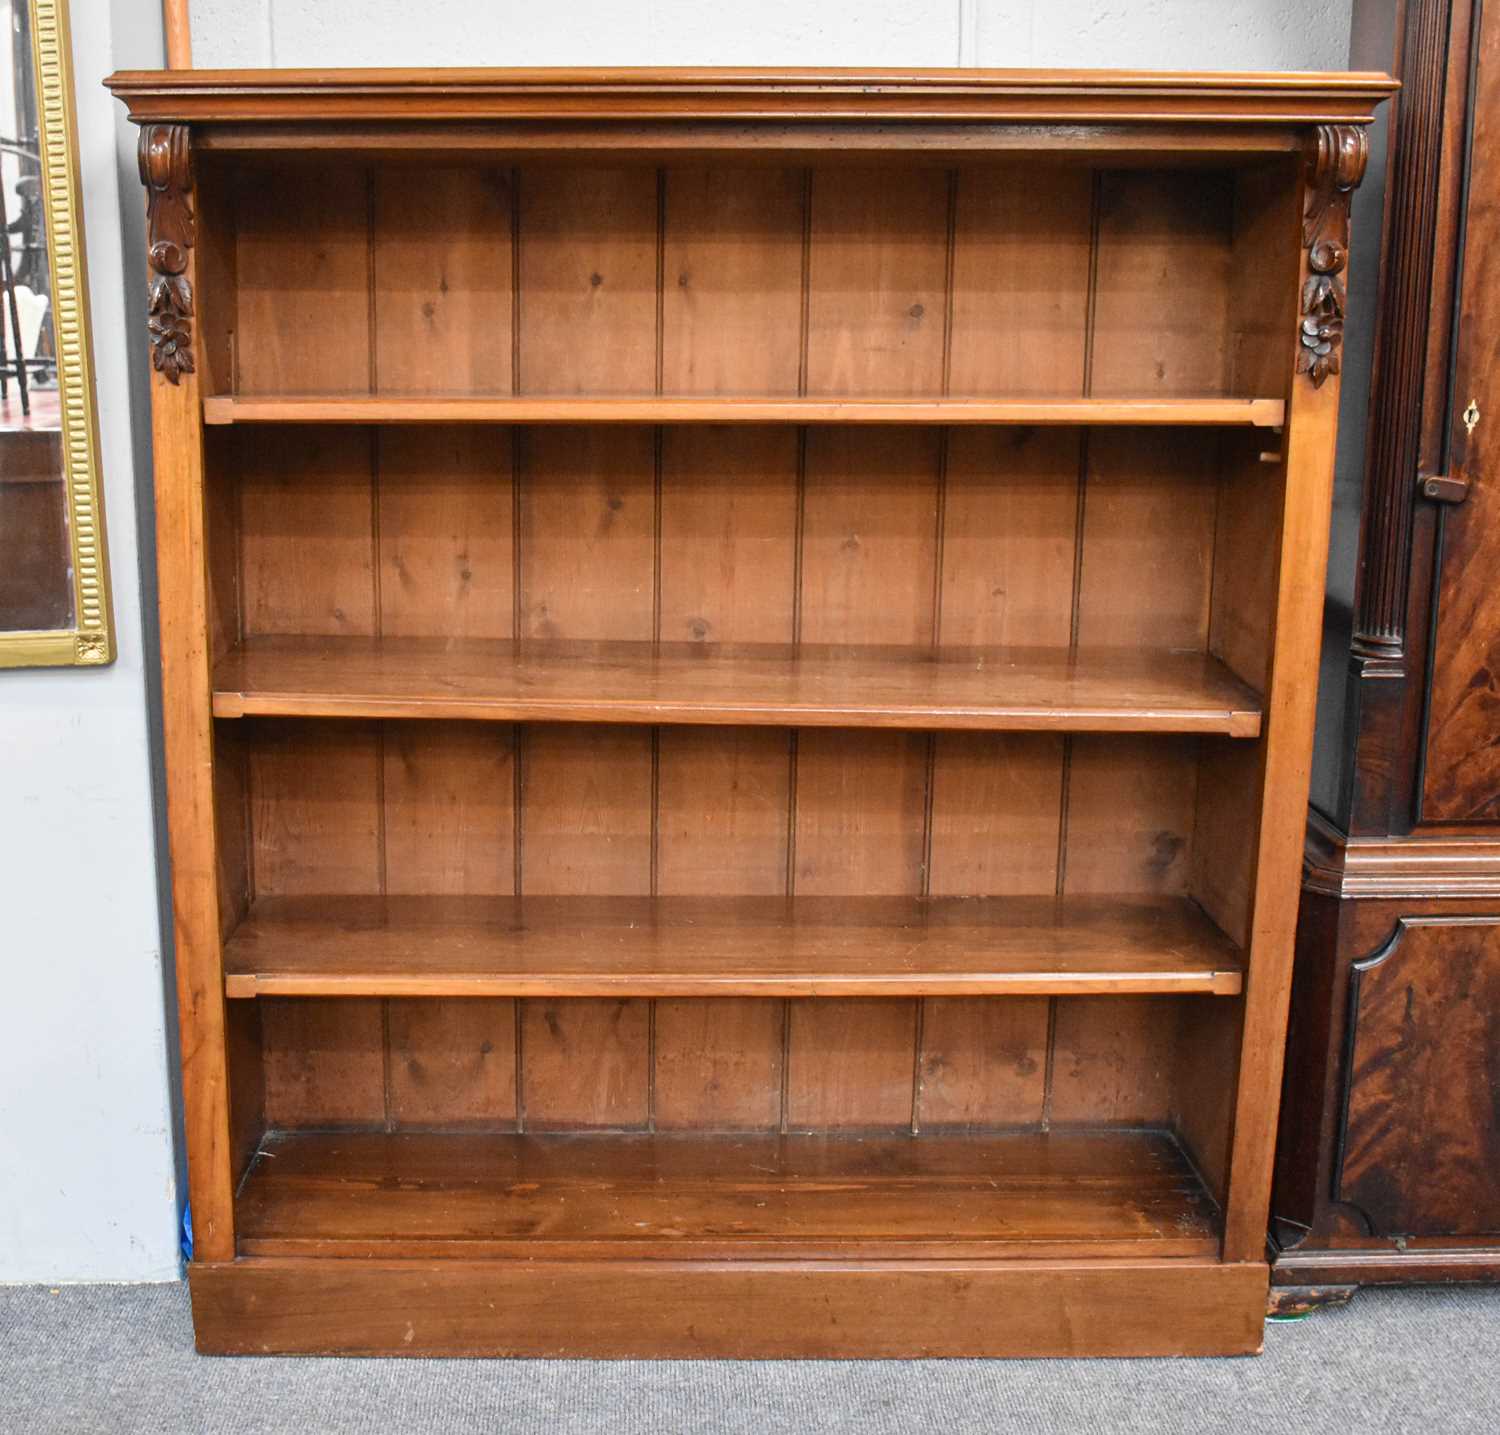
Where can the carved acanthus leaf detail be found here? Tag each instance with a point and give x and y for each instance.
(1335, 166)
(167, 173)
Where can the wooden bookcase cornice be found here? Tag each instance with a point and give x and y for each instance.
(1011, 96)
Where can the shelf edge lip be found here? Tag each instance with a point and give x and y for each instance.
(221, 410)
(1225, 722)
(1226, 981)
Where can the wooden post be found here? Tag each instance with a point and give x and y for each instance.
(178, 25)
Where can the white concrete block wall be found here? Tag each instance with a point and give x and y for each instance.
(1147, 34)
(87, 1187)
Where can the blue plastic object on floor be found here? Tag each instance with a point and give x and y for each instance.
(187, 1232)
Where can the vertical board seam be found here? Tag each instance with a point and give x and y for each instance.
(651, 1065)
(249, 820)
(518, 785)
(370, 302)
(232, 203)
(949, 269)
(939, 545)
(239, 533)
(515, 279)
(806, 308)
(804, 344)
(1050, 1064)
(661, 269)
(381, 729)
(1220, 478)
(919, 1022)
(518, 730)
(1091, 304)
(1065, 784)
(385, 1061)
(657, 442)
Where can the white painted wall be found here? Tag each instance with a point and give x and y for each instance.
(87, 1187)
(1155, 34)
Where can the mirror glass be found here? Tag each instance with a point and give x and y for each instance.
(36, 558)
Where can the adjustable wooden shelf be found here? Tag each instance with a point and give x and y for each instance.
(738, 658)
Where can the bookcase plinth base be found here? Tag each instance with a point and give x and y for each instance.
(737, 1309)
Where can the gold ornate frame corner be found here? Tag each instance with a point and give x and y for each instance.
(91, 640)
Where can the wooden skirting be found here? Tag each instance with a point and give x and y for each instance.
(738, 1309)
(1386, 1267)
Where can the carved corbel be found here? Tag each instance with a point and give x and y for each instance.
(1335, 165)
(167, 172)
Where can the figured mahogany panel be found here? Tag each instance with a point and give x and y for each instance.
(1421, 1133)
(1461, 775)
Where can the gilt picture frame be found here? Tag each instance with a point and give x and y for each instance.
(87, 638)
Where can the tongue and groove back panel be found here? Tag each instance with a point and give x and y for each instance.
(908, 281)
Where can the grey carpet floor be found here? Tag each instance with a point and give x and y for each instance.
(119, 1359)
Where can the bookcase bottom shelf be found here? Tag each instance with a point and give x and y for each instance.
(432, 1195)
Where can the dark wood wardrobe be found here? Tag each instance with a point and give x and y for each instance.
(1388, 1165)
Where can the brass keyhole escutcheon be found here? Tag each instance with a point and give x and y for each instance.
(1471, 416)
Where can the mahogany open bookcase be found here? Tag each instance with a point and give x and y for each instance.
(738, 663)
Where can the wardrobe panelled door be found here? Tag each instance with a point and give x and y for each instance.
(1388, 1162)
